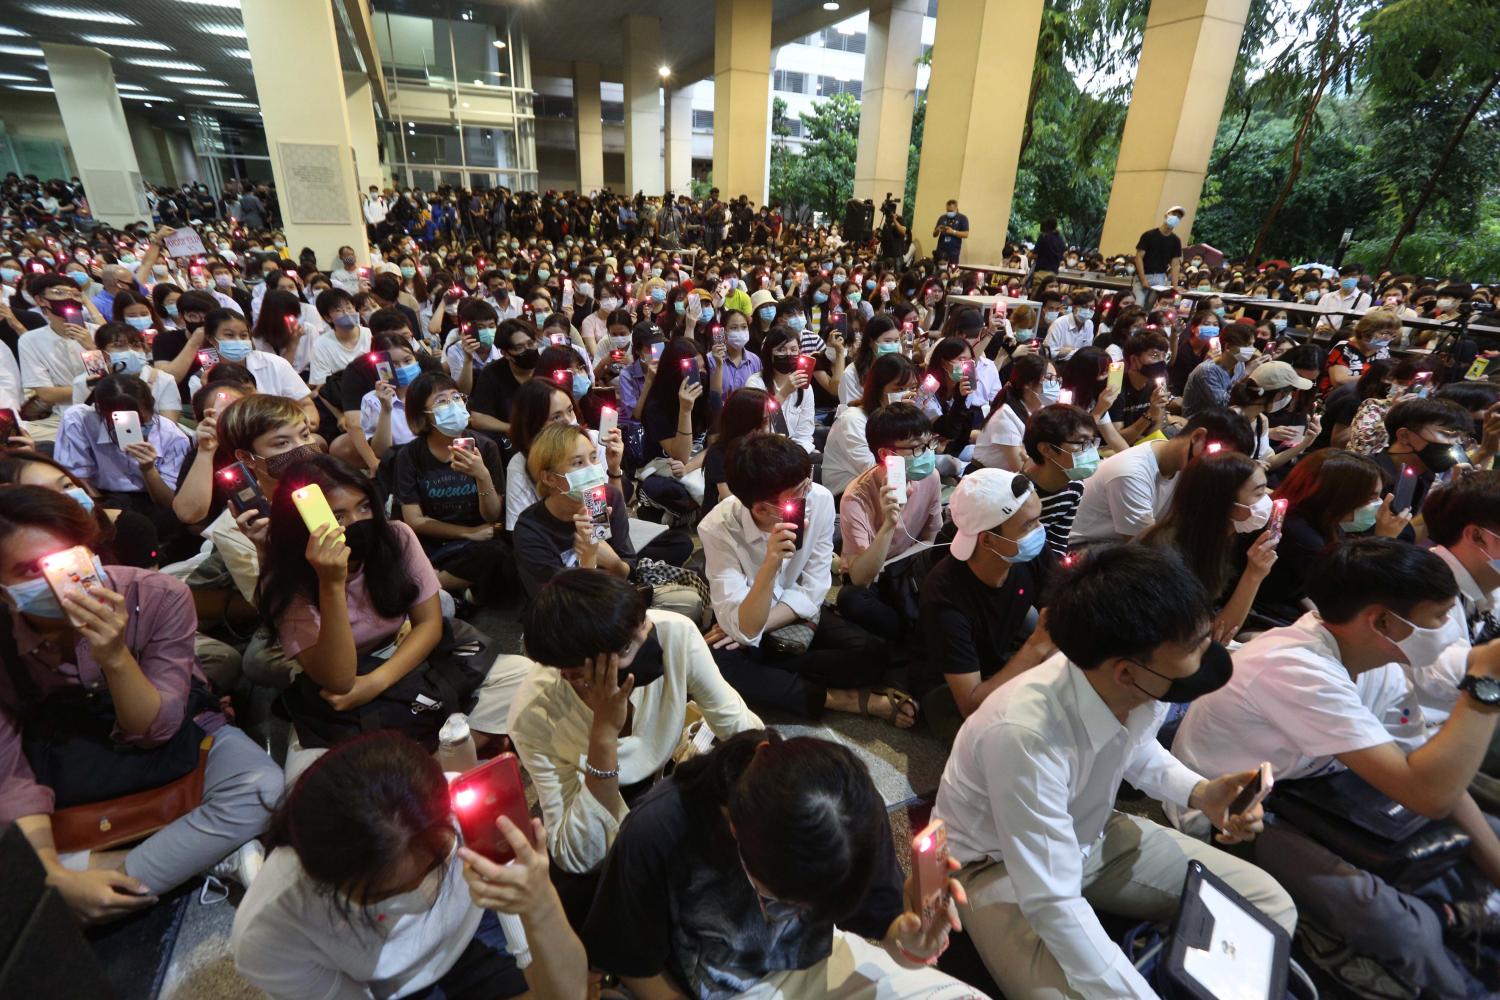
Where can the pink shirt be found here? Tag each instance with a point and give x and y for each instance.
(299, 626)
(160, 632)
(860, 517)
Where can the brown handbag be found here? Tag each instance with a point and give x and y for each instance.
(98, 826)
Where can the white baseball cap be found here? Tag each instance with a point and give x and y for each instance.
(984, 500)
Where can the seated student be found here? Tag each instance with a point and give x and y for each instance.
(1219, 496)
(1194, 343)
(882, 337)
(140, 476)
(1330, 692)
(891, 378)
(604, 706)
(135, 648)
(279, 330)
(358, 381)
(634, 380)
(538, 404)
(226, 333)
(198, 501)
(1463, 522)
(746, 411)
(473, 346)
(1482, 400)
(345, 339)
(676, 417)
(781, 375)
(766, 573)
(382, 410)
(363, 893)
(878, 526)
(1141, 408)
(955, 420)
(1211, 381)
(125, 537)
(975, 602)
(125, 352)
(760, 867)
(51, 356)
(1426, 437)
(496, 384)
(564, 367)
(556, 532)
(1073, 329)
(1028, 793)
(1032, 384)
(1131, 489)
(175, 349)
(1062, 450)
(1085, 376)
(451, 496)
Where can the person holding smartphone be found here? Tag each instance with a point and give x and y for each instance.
(129, 645)
(767, 866)
(367, 891)
(790, 382)
(610, 687)
(126, 353)
(51, 356)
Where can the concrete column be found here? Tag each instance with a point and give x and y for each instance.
(147, 155)
(588, 120)
(971, 142)
(363, 131)
(1175, 106)
(295, 56)
(679, 141)
(84, 82)
(742, 105)
(892, 47)
(642, 105)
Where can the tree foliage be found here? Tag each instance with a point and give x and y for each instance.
(821, 178)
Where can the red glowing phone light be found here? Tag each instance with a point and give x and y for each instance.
(562, 375)
(791, 507)
(1214, 447)
(687, 363)
(465, 797)
(925, 845)
(228, 475)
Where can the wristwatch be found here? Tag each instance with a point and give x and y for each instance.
(1485, 690)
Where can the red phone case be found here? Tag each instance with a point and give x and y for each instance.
(481, 796)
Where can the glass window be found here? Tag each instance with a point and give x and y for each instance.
(703, 121)
(612, 112)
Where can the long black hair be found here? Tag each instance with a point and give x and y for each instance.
(1197, 523)
(286, 573)
(807, 820)
(669, 379)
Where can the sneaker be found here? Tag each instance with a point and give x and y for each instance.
(243, 865)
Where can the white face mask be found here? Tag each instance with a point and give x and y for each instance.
(1423, 646)
(1280, 404)
(419, 900)
(1260, 513)
(737, 338)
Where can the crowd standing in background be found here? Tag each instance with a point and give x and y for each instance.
(1160, 519)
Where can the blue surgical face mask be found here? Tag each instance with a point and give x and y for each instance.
(680, 306)
(1349, 284)
(235, 350)
(407, 374)
(346, 321)
(581, 481)
(1029, 546)
(1219, 311)
(127, 362)
(171, 308)
(796, 323)
(886, 347)
(628, 268)
(1278, 325)
(452, 418)
(80, 278)
(35, 597)
(485, 335)
(1207, 332)
(919, 467)
(139, 322)
(582, 382)
(1085, 314)
(767, 313)
(1363, 518)
(1050, 389)
(9, 275)
(542, 274)
(820, 297)
(1022, 336)
(84, 500)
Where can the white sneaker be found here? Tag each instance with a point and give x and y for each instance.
(243, 865)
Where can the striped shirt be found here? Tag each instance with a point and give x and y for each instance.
(1057, 514)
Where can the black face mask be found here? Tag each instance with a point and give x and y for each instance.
(647, 665)
(360, 537)
(277, 465)
(527, 359)
(784, 363)
(1156, 369)
(1214, 671)
(1439, 457)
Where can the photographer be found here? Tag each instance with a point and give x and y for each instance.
(893, 235)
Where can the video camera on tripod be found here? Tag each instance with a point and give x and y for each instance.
(890, 206)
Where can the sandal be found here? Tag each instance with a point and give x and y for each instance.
(898, 700)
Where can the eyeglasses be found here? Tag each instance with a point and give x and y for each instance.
(456, 397)
(913, 449)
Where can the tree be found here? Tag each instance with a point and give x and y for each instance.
(821, 178)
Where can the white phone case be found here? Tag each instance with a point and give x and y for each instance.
(609, 419)
(895, 475)
(127, 427)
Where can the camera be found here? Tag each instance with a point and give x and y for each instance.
(890, 206)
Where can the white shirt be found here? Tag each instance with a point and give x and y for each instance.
(986, 383)
(1005, 428)
(165, 395)
(550, 725)
(454, 356)
(520, 492)
(851, 386)
(1331, 303)
(290, 940)
(1436, 683)
(1292, 702)
(369, 418)
(275, 376)
(734, 547)
(240, 556)
(846, 453)
(1067, 334)
(11, 394)
(375, 209)
(47, 359)
(347, 280)
(329, 356)
(1123, 497)
(1031, 782)
(801, 416)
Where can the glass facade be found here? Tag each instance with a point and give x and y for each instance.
(459, 82)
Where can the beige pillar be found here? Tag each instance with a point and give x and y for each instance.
(147, 155)
(164, 154)
(295, 57)
(892, 47)
(971, 141)
(679, 141)
(742, 91)
(84, 82)
(1187, 58)
(588, 121)
(363, 131)
(642, 105)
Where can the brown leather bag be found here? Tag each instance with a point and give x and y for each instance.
(98, 826)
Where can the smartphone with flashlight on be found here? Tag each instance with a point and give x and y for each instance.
(1278, 518)
(242, 491)
(596, 502)
(481, 796)
(383, 370)
(609, 420)
(690, 373)
(794, 512)
(929, 867)
(313, 506)
(71, 571)
(1406, 489)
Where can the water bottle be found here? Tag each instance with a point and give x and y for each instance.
(456, 745)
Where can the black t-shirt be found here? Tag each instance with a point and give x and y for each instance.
(667, 904)
(1049, 251)
(167, 345)
(1338, 409)
(1281, 592)
(494, 388)
(544, 545)
(969, 627)
(1132, 403)
(358, 378)
(441, 491)
(659, 421)
(1159, 250)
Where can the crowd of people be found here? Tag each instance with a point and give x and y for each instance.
(731, 471)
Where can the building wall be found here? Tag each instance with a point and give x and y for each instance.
(36, 116)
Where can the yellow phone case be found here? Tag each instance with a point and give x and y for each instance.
(313, 506)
